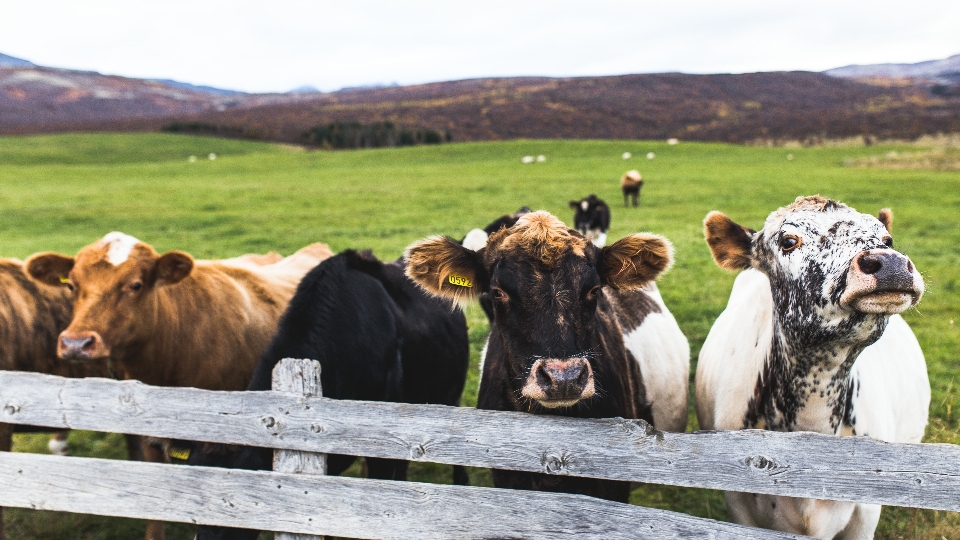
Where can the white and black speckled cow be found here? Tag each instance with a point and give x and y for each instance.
(811, 340)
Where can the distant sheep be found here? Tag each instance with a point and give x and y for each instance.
(651, 155)
(672, 141)
(630, 184)
(526, 159)
(627, 155)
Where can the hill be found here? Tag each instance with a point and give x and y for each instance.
(947, 69)
(733, 108)
(10, 61)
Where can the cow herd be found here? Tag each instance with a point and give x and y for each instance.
(811, 338)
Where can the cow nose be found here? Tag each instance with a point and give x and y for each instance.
(559, 382)
(893, 271)
(80, 346)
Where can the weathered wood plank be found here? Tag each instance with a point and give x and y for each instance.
(298, 376)
(794, 464)
(325, 505)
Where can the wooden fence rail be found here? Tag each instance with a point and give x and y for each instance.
(794, 464)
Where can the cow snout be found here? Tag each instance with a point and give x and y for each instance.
(559, 382)
(882, 281)
(81, 346)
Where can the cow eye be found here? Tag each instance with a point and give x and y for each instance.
(136, 286)
(888, 241)
(789, 242)
(592, 293)
(498, 294)
(69, 285)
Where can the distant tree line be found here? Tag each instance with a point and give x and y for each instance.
(203, 128)
(376, 135)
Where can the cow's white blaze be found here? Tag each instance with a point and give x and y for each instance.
(119, 247)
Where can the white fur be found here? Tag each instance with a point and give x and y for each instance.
(598, 237)
(120, 247)
(58, 447)
(475, 240)
(663, 353)
(584, 205)
(891, 405)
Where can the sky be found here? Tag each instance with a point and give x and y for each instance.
(278, 45)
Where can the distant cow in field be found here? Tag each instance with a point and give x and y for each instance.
(577, 330)
(168, 320)
(378, 337)
(811, 340)
(630, 184)
(591, 216)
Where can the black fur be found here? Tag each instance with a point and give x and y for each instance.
(378, 337)
(595, 217)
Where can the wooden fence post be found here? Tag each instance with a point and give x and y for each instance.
(300, 376)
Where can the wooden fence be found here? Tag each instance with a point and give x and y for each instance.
(301, 426)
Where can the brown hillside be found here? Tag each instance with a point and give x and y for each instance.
(735, 108)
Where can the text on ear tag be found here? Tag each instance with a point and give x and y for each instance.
(64, 280)
(459, 281)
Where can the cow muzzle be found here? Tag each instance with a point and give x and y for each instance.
(81, 346)
(882, 281)
(559, 382)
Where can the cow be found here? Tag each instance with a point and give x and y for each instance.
(630, 184)
(31, 317)
(168, 320)
(812, 340)
(591, 216)
(577, 330)
(377, 337)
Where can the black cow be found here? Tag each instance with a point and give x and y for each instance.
(377, 336)
(577, 330)
(592, 218)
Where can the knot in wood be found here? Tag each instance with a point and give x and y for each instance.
(270, 423)
(316, 428)
(11, 409)
(417, 451)
(555, 464)
(762, 463)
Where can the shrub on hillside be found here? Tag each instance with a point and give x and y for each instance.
(376, 135)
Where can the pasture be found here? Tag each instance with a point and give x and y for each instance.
(62, 192)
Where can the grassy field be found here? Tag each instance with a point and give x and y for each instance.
(62, 192)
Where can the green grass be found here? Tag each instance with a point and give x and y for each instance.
(62, 192)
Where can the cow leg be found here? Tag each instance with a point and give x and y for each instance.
(58, 443)
(626, 196)
(386, 469)
(460, 477)
(635, 197)
(6, 443)
(156, 530)
(134, 447)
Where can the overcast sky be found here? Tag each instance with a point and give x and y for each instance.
(261, 46)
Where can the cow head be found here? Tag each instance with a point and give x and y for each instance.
(833, 271)
(545, 282)
(585, 214)
(114, 281)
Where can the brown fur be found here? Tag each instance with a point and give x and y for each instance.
(886, 217)
(200, 324)
(635, 260)
(542, 236)
(729, 242)
(433, 260)
(629, 181)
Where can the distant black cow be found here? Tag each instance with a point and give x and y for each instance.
(592, 218)
(576, 330)
(630, 184)
(378, 337)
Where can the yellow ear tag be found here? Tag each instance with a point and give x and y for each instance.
(64, 280)
(459, 281)
(182, 454)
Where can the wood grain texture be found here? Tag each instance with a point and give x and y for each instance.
(794, 464)
(326, 505)
(299, 376)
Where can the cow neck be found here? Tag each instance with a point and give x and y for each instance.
(806, 387)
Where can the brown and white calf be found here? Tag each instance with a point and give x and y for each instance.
(811, 340)
(168, 320)
(576, 330)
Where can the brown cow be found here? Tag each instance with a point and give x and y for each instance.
(168, 320)
(630, 184)
(31, 316)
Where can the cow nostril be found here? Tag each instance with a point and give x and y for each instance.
(909, 266)
(869, 264)
(87, 343)
(544, 380)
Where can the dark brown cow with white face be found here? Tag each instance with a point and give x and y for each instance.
(168, 320)
(576, 330)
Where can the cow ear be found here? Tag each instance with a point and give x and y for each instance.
(445, 268)
(172, 267)
(49, 268)
(634, 261)
(886, 217)
(731, 244)
(574, 204)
